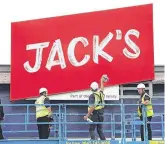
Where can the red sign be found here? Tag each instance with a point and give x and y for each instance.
(67, 53)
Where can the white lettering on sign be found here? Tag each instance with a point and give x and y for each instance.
(98, 48)
(71, 53)
(57, 48)
(39, 48)
(131, 44)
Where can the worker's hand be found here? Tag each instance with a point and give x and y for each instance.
(85, 117)
(51, 119)
(104, 78)
(145, 102)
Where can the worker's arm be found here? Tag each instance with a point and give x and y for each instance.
(50, 110)
(92, 106)
(91, 109)
(47, 105)
(102, 84)
(146, 100)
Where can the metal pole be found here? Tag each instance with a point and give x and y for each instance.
(59, 122)
(123, 135)
(65, 119)
(113, 127)
(150, 89)
(121, 91)
(27, 117)
(144, 115)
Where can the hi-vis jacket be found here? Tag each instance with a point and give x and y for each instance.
(149, 108)
(41, 110)
(99, 100)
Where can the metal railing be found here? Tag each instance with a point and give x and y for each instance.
(60, 129)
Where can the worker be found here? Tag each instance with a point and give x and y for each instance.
(145, 100)
(96, 109)
(43, 114)
(1, 119)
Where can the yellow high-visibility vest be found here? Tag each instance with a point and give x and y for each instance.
(41, 110)
(149, 108)
(99, 100)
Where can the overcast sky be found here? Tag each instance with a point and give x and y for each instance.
(18, 10)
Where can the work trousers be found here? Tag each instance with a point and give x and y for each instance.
(97, 116)
(1, 133)
(148, 128)
(43, 129)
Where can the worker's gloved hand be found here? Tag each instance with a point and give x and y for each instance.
(105, 78)
(51, 119)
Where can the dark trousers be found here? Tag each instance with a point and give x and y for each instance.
(43, 129)
(97, 117)
(1, 134)
(148, 128)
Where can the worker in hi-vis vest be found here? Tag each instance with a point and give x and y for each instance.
(145, 100)
(96, 109)
(43, 114)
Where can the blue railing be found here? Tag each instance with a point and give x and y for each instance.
(60, 130)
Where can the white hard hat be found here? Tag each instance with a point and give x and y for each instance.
(94, 85)
(43, 90)
(141, 85)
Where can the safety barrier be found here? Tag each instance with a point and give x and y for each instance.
(121, 119)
